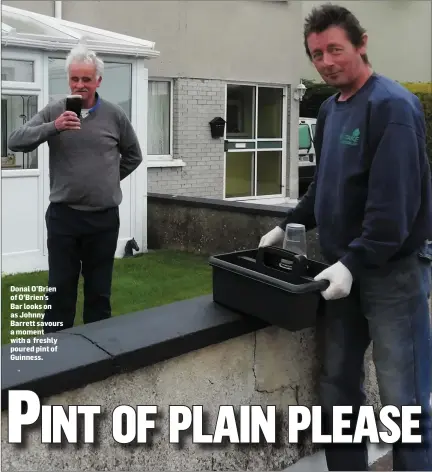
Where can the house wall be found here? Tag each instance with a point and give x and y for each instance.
(196, 102)
(400, 40)
(44, 7)
(203, 45)
(239, 40)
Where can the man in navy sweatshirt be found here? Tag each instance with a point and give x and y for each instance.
(371, 202)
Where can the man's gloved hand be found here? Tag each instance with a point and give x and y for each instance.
(340, 279)
(273, 237)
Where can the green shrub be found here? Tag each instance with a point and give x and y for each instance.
(315, 95)
(415, 87)
(426, 100)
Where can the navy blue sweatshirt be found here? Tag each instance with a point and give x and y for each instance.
(371, 197)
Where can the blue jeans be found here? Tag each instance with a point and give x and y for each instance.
(426, 254)
(389, 307)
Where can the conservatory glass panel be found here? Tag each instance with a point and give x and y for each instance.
(27, 25)
(17, 110)
(114, 74)
(14, 70)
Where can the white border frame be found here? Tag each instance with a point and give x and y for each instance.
(36, 88)
(155, 160)
(165, 157)
(19, 55)
(138, 118)
(283, 139)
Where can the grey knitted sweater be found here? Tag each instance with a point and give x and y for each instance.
(86, 165)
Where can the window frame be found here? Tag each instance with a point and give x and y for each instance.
(17, 60)
(36, 88)
(19, 55)
(284, 139)
(155, 160)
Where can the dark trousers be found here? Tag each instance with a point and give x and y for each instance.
(79, 242)
(390, 308)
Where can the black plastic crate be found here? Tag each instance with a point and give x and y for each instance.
(269, 283)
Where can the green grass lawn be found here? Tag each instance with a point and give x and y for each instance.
(149, 280)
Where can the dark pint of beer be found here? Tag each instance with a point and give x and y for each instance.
(74, 103)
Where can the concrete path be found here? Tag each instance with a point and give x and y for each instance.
(317, 462)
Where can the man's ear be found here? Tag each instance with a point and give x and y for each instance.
(363, 48)
(99, 81)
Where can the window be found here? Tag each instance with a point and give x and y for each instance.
(305, 141)
(57, 79)
(255, 145)
(17, 110)
(17, 70)
(22, 82)
(116, 85)
(159, 118)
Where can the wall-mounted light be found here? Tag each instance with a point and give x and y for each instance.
(300, 91)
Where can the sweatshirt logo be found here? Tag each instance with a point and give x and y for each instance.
(350, 139)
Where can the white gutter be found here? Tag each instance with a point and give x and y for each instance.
(58, 9)
(65, 45)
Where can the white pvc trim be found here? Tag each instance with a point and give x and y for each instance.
(68, 27)
(115, 43)
(165, 163)
(106, 48)
(58, 9)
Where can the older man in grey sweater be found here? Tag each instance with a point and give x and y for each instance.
(88, 157)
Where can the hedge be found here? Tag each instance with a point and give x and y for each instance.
(426, 100)
(316, 93)
(418, 87)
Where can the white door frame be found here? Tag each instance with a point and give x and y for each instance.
(138, 179)
(258, 85)
(29, 260)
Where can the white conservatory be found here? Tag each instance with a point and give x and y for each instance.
(34, 48)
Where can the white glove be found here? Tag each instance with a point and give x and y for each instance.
(340, 279)
(273, 237)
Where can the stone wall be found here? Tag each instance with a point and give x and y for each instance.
(210, 226)
(269, 367)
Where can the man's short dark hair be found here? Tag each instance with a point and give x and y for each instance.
(326, 16)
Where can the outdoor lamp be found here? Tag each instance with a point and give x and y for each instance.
(300, 91)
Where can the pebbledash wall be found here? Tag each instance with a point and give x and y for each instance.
(195, 103)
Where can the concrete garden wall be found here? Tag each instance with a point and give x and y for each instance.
(188, 353)
(268, 367)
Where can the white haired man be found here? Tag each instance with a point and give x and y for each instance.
(88, 157)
